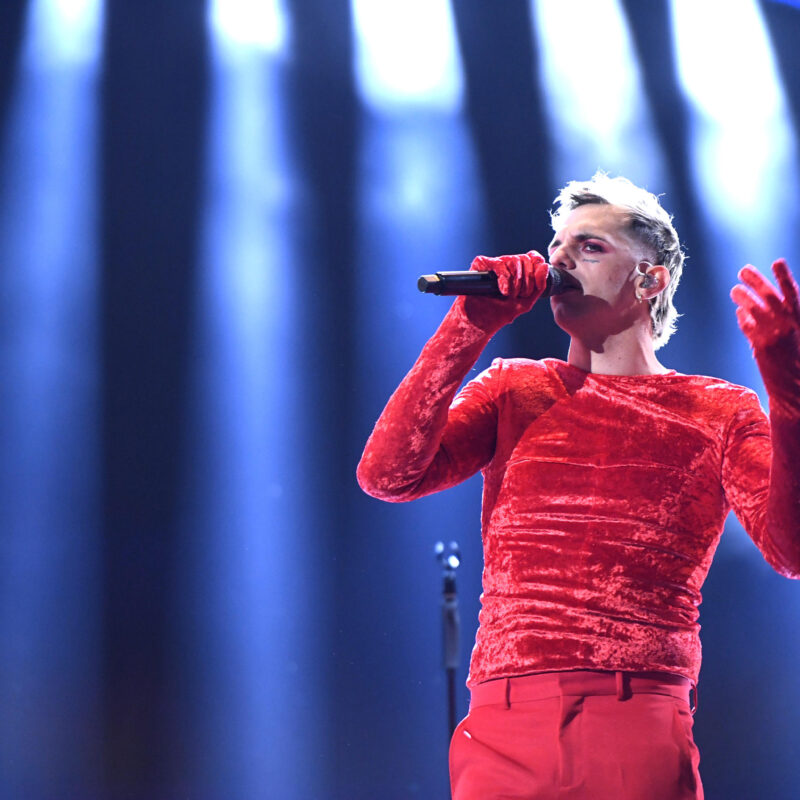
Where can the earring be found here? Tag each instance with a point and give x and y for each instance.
(638, 297)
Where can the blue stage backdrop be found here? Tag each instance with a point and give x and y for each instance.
(212, 217)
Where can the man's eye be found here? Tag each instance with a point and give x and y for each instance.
(592, 247)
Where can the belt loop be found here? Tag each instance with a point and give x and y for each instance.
(620, 686)
(508, 692)
(694, 706)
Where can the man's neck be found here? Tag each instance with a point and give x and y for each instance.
(627, 353)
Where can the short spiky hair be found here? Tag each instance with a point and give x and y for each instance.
(648, 223)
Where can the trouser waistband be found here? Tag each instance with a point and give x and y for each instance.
(519, 689)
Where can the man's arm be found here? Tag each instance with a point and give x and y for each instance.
(419, 445)
(771, 321)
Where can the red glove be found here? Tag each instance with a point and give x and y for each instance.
(521, 279)
(764, 316)
(772, 324)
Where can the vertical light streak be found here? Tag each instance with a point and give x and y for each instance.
(64, 33)
(743, 150)
(49, 406)
(406, 54)
(248, 586)
(240, 26)
(419, 209)
(743, 143)
(598, 113)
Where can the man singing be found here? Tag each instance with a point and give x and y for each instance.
(607, 479)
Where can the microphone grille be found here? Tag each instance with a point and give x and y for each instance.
(429, 284)
(555, 282)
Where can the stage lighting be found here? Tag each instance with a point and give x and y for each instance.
(595, 103)
(742, 139)
(261, 25)
(406, 54)
(50, 570)
(63, 32)
(742, 154)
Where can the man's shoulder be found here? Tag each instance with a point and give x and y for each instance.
(519, 371)
(518, 363)
(510, 377)
(717, 398)
(526, 366)
(714, 385)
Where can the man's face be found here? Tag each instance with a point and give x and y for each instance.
(596, 250)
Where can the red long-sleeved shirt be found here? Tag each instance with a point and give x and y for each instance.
(604, 499)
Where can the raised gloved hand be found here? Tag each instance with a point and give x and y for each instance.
(764, 316)
(521, 280)
(771, 322)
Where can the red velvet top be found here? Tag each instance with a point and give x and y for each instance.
(603, 502)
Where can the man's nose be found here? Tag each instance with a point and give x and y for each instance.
(561, 258)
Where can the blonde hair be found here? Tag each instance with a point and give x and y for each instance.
(648, 223)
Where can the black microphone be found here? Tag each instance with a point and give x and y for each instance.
(485, 283)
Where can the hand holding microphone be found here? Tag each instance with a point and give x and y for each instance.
(509, 286)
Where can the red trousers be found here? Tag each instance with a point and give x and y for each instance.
(579, 735)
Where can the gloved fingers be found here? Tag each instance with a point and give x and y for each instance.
(762, 289)
(505, 277)
(508, 270)
(490, 264)
(765, 316)
(745, 298)
(764, 301)
(758, 322)
(536, 273)
(520, 276)
(746, 322)
(527, 274)
(482, 264)
(791, 293)
(522, 273)
(517, 275)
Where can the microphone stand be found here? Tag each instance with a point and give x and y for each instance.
(449, 557)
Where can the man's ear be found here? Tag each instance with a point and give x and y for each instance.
(652, 279)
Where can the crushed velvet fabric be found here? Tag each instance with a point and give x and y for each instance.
(604, 496)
